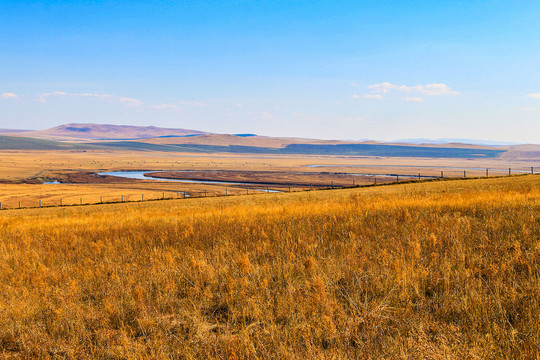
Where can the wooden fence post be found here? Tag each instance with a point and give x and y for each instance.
(39, 202)
(418, 176)
(442, 175)
(60, 201)
(532, 170)
(397, 178)
(509, 172)
(81, 201)
(122, 198)
(204, 192)
(19, 204)
(464, 174)
(487, 172)
(142, 197)
(163, 195)
(101, 199)
(225, 191)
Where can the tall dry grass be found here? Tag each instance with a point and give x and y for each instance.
(445, 270)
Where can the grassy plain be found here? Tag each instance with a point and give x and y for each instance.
(301, 179)
(17, 165)
(37, 166)
(440, 270)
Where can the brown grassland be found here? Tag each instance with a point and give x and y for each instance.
(16, 165)
(279, 178)
(30, 195)
(438, 270)
(21, 173)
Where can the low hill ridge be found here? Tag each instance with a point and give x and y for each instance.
(91, 132)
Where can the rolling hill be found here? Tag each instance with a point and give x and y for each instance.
(101, 132)
(151, 138)
(25, 143)
(237, 140)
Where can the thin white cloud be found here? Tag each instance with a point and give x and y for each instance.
(179, 105)
(265, 115)
(165, 107)
(43, 97)
(384, 87)
(131, 102)
(8, 95)
(528, 109)
(414, 99)
(371, 96)
(431, 89)
(534, 96)
(192, 103)
(113, 99)
(428, 89)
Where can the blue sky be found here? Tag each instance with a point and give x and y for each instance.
(326, 69)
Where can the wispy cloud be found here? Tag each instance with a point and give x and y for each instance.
(384, 87)
(414, 99)
(120, 100)
(370, 96)
(8, 95)
(377, 91)
(264, 115)
(126, 101)
(534, 96)
(179, 105)
(165, 107)
(428, 89)
(192, 103)
(129, 101)
(528, 109)
(43, 97)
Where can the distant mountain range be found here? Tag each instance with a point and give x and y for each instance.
(93, 132)
(454, 141)
(103, 132)
(151, 138)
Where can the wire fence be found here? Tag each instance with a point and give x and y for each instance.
(372, 180)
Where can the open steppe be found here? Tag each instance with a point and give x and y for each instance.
(23, 171)
(433, 270)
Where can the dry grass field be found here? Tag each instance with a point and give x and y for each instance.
(35, 167)
(18, 165)
(303, 179)
(440, 270)
(32, 195)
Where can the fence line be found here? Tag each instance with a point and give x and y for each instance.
(185, 195)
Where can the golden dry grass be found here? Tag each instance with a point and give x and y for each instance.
(16, 165)
(32, 195)
(443, 270)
